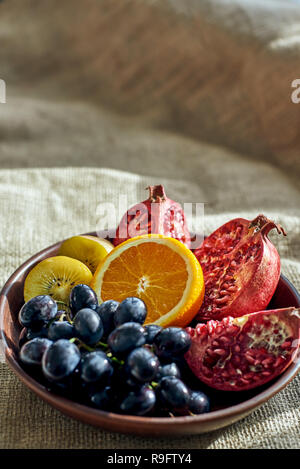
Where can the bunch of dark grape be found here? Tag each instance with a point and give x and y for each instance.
(102, 355)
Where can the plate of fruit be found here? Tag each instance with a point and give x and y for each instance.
(145, 335)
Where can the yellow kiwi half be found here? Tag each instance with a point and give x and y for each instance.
(90, 250)
(56, 276)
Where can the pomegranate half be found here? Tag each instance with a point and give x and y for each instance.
(237, 354)
(241, 268)
(157, 215)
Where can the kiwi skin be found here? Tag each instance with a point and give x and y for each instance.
(90, 250)
(56, 276)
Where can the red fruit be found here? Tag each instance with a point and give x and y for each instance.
(237, 354)
(241, 268)
(158, 214)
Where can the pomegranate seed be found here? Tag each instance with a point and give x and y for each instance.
(220, 351)
(267, 362)
(207, 372)
(224, 339)
(237, 359)
(286, 345)
(278, 362)
(211, 325)
(244, 381)
(231, 370)
(233, 330)
(248, 376)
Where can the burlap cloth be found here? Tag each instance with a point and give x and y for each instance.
(195, 95)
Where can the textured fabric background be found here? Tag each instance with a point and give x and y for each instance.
(193, 94)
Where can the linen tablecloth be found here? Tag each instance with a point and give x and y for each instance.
(109, 96)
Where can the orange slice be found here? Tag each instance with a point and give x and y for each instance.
(161, 271)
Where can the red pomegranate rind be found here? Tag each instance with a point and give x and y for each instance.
(241, 268)
(237, 354)
(158, 214)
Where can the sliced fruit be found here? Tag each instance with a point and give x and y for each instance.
(241, 268)
(56, 276)
(237, 354)
(158, 269)
(90, 250)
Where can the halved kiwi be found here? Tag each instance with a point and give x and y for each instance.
(90, 250)
(56, 276)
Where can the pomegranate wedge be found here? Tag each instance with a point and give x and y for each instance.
(241, 268)
(237, 354)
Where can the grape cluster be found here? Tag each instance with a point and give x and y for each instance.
(104, 356)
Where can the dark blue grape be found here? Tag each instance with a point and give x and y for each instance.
(173, 393)
(151, 331)
(96, 367)
(131, 309)
(60, 330)
(198, 402)
(28, 334)
(81, 297)
(139, 401)
(126, 337)
(43, 332)
(31, 352)
(37, 312)
(69, 387)
(106, 312)
(171, 342)
(103, 399)
(122, 381)
(60, 360)
(142, 364)
(88, 326)
(170, 369)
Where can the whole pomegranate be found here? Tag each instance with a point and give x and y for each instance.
(157, 215)
(241, 353)
(241, 268)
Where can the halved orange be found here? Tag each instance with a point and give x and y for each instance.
(161, 271)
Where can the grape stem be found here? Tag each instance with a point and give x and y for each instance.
(61, 302)
(154, 384)
(102, 344)
(116, 360)
(81, 344)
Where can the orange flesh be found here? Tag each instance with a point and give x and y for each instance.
(160, 290)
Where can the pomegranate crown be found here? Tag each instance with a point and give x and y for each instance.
(263, 225)
(156, 193)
